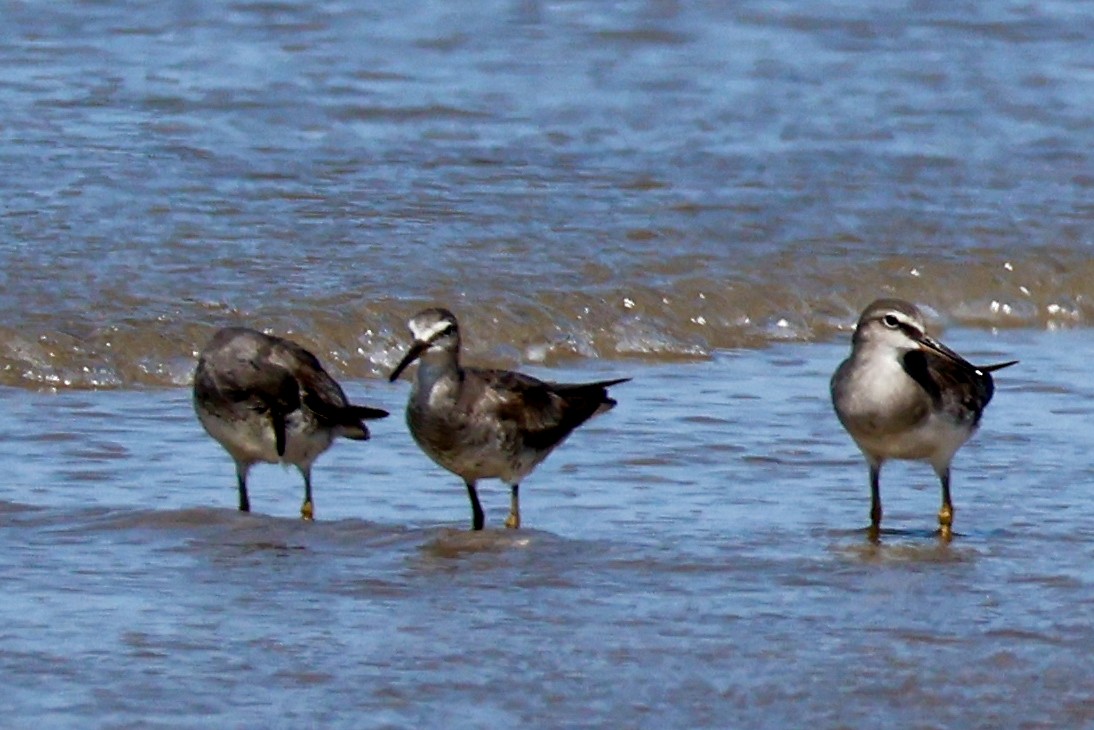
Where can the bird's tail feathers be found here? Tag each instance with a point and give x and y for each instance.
(593, 391)
(354, 431)
(607, 405)
(352, 421)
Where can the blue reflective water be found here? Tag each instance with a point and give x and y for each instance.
(695, 558)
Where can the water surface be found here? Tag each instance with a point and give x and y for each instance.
(695, 558)
(700, 195)
(644, 180)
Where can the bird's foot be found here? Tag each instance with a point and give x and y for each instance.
(945, 523)
(513, 520)
(307, 511)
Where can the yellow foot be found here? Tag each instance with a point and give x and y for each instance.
(873, 533)
(945, 522)
(512, 521)
(307, 512)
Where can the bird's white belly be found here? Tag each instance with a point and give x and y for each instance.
(247, 440)
(252, 439)
(304, 442)
(935, 439)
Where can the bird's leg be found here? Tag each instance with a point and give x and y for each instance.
(307, 510)
(513, 520)
(875, 503)
(477, 518)
(945, 512)
(241, 480)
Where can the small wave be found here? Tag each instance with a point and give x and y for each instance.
(197, 529)
(453, 543)
(671, 315)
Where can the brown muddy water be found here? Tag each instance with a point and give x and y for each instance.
(699, 195)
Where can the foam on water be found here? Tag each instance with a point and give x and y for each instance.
(690, 319)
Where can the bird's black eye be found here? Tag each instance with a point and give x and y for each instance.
(890, 321)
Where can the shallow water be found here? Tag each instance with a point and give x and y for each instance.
(699, 195)
(695, 558)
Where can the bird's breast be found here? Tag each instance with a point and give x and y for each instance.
(876, 397)
(889, 415)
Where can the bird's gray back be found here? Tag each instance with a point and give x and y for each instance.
(242, 367)
(482, 423)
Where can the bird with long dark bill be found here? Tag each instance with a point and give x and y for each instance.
(267, 399)
(904, 395)
(487, 424)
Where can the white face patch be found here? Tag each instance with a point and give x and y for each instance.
(426, 334)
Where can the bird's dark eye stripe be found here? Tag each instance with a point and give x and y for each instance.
(437, 334)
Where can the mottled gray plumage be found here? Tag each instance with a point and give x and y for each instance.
(267, 399)
(483, 424)
(903, 395)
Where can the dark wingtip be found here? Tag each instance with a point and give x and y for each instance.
(996, 366)
(608, 402)
(367, 413)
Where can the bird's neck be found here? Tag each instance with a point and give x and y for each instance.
(880, 371)
(435, 366)
(879, 355)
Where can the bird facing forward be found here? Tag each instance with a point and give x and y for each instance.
(903, 395)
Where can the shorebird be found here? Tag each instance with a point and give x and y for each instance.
(487, 424)
(904, 395)
(268, 399)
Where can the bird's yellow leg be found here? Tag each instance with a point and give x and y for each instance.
(307, 510)
(945, 512)
(513, 520)
(945, 522)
